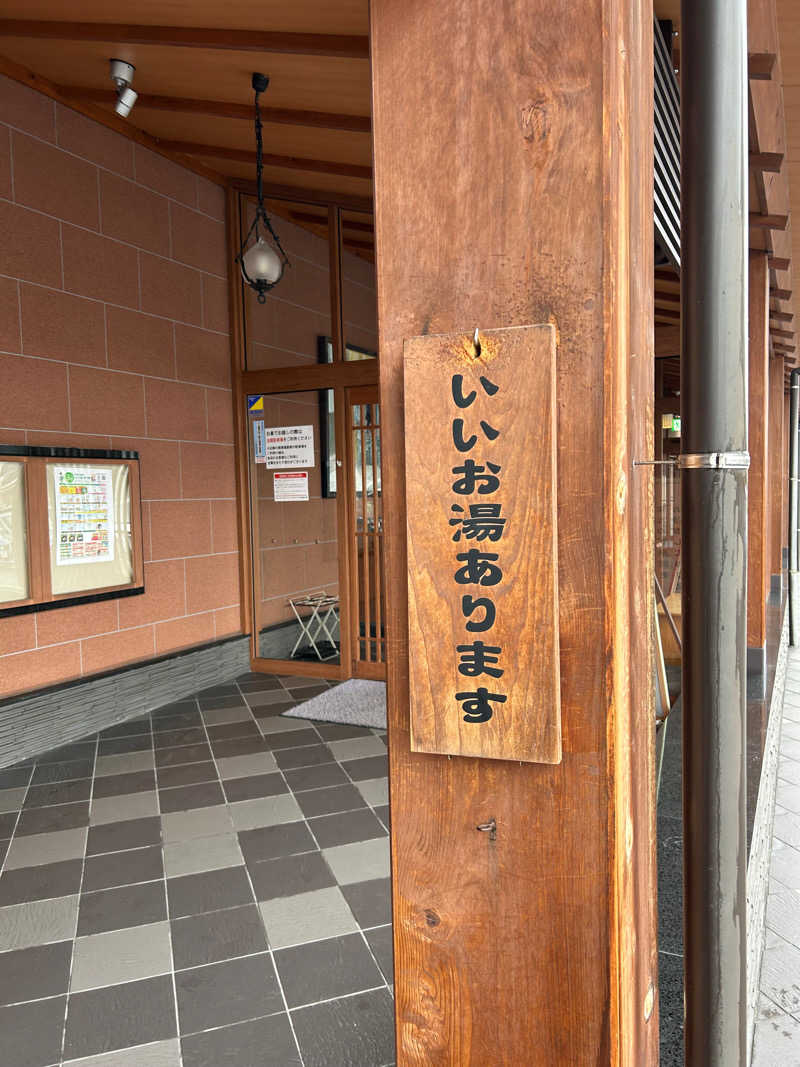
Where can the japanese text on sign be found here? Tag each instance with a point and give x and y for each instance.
(84, 515)
(289, 446)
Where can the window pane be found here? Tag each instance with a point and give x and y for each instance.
(13, 533)
(359, 302)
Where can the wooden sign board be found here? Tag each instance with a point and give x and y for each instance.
(480, 444)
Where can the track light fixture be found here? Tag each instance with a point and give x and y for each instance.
(122, 75)
(263, 262)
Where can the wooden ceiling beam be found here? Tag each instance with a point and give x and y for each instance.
(769, 162)
(760, 65)
(768, 222)
(340, 46)
(282, 116)
(778, 263)
(322, 220)
(667, 341)
(781, 333)
(667, 313)
(780, 294)
(781, 316)
(247, 155)
(296, 194)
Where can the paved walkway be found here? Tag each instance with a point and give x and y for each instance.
(777, 1035)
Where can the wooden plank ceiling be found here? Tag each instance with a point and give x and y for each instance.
(774, 120)
(194, 86)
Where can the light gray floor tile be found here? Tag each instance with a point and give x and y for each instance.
(265, 811)
(777, 1037)
(127, 806)
(375, 791)
(200, 822)
(220, 716)
(38, 922)
(780, 968)
(787, 797)
(276, 724)
(787, 828)
(121, 956)
(360, 861)
(11, 799)
(357, 748)
(46, 848)
(202, 854)
(243, 766)
(783, 912)
(785, 865)
(159, 1054)
(307, 917)
(129, 761)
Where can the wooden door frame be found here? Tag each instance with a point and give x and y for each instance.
(376, 671)
(339, 376)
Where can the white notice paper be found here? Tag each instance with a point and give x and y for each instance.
(292, 486)
(290, 446)
(259, 441)
(84, 515)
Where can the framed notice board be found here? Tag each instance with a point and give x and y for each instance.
(70, 527)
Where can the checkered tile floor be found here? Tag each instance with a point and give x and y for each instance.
(204, 886)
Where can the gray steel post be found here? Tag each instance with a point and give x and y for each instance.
(714, 524)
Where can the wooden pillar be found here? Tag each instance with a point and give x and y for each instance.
(758, 568)
(513, 166)
(776, 465)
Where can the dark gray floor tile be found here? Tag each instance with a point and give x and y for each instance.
(117, 785)
(117, 746)
(184, 797)
(232, 730)
(214, 703)
(62, 772)
(32, 1032)
(189, 735)
(227, 992)
(119, 1016)
(272, 842)
(117, 836)
(192, 894)
(34, 973)
(346, 827)
(42, 796)
(307, 756)
(122, 868)
(257, 785)
(8, 820)
(118, 909)
(266, 1042)
(274, 707)
(173, 757)
(229, 689)
(41, 882)
(15, 777)
(217, 935)
(177, 707)
(380, 941)
(335, 731)
(384, 815)
(3, 850)
(362, 770)
(670, 999)
(57, 817)
(321, 970)
(188, 774)
(260, 684)
(76, 750)
(127, 728)
(370, 902)
(290, 875)
(239, 746)
(316, 777)
(183, 720)
(292, 738)
(307, 692)
(357, 1031)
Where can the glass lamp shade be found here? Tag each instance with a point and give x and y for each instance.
(262, 262)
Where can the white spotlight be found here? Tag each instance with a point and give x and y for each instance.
(122, 74)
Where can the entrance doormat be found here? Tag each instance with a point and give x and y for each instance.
(356, 702)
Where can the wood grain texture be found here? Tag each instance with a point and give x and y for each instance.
(527, 725)
(757, 493)
(775, 453)
(514, 186)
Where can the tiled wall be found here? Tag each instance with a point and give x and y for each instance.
(114, 334)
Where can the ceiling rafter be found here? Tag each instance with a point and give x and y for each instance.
(340, 46)
(282, 116)
(247, 155)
